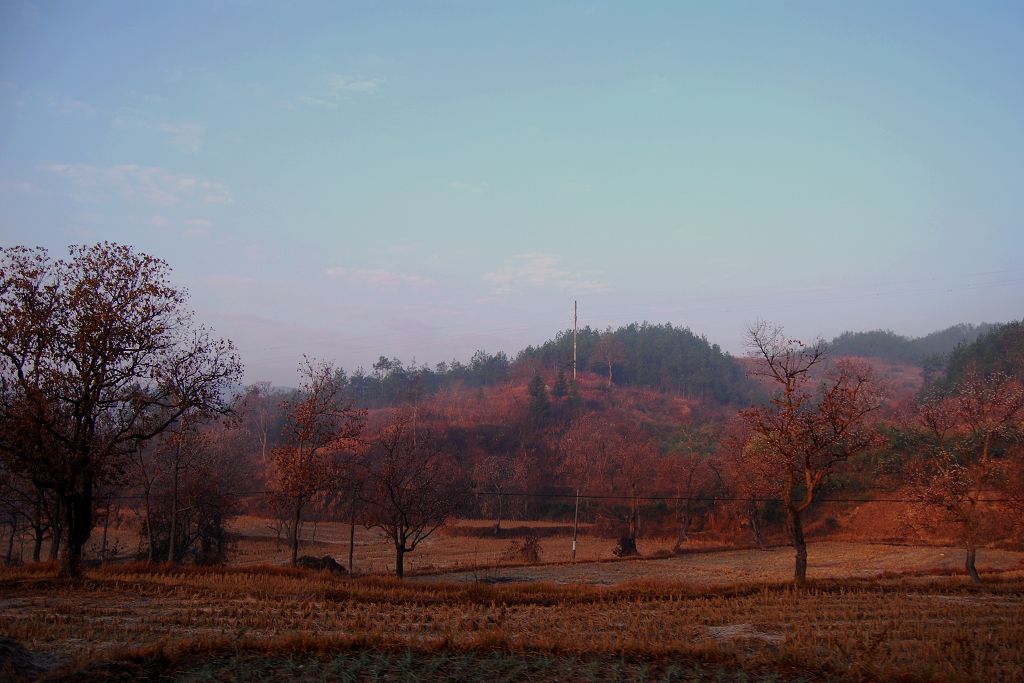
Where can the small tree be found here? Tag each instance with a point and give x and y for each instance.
(494, 475)
(540, 404)
(803, 435)
(409, 492)
(322, 432)
(966, 434)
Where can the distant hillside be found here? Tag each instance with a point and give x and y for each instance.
(661, 357)
(999, 350)
(897, 348)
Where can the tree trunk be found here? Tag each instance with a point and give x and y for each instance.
(684, 525)
(10, 543)
(151, 555)
(56, 534)
(351, 535)
(295, 535)
(37, 545)
(400, 560)
(38, 528)
(106, 527)
(174, 515)
(497, 521)
(796, 529)
(76, 509)
(754, 516)
(972, 571)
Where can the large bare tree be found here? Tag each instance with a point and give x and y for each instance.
(98, 354)
(802, 433)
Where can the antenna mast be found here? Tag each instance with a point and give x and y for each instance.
(574, 341)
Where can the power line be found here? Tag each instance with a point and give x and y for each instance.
(653, 498)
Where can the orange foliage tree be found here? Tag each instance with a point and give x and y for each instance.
(969, 434)
(321, 441)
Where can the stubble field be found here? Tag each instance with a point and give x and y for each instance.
(259, 622)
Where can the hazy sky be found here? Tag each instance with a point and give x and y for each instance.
(423, 179)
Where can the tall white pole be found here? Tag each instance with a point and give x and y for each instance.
(574, 342)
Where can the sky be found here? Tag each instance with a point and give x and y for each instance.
(423, 179)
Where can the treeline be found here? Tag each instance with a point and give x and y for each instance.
(662, 357)
(930, 350)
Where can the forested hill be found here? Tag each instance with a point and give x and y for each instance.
(999, 350)
(897, 348)
(663, 357)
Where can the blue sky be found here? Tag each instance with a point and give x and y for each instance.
(423, 179)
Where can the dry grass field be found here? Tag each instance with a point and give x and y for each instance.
(254, 623)
(466, 550)
(827, 560)
(871, 612)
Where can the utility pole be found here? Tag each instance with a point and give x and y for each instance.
(574, 342)
(575, 524)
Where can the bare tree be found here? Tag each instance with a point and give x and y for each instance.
(320, 438)
(609, 351)
(968, 431)
(98, 354)
(409, 488)
(257, 411)
(694, 479)
(804, 435)
(495, 475)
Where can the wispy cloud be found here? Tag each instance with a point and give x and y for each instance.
(17, 186)
(541, 270)
(69, 106)
(197, 227)
(376, 276)
(347, 83)
(149, 184)
(186, 135)
(337, 86)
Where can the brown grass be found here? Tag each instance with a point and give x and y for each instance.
(916, 628)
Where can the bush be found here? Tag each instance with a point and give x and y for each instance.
(526, 550)
(626, 547)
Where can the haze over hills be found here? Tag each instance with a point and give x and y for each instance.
(898, 348)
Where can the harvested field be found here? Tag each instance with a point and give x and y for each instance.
(827, 560)
(253, 622)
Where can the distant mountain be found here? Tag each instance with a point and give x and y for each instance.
(897, 348)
